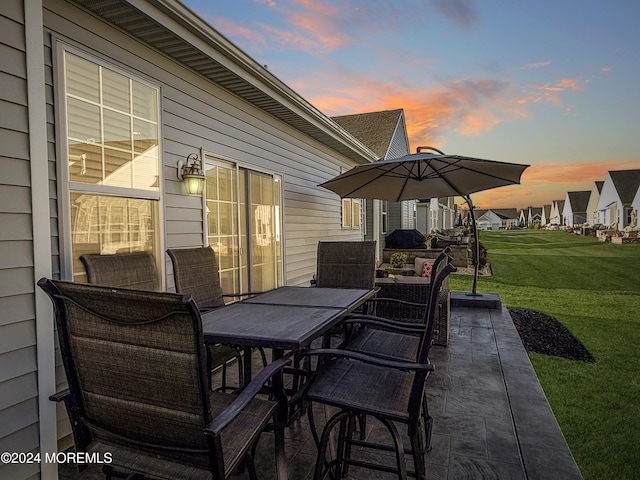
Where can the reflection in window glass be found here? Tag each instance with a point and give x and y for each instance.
(109, 225)
(112, 126)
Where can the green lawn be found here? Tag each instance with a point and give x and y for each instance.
(593, 288)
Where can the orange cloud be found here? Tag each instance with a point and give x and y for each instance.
(550, 92)
(543, 183)
(467, 106)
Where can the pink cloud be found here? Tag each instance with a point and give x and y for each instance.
(232, 29)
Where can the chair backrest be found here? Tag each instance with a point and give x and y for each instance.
(346, 264)
(419, 381)
(136, 270)
(440, 262)
(430, 312)
(195, 271)
(135, 363)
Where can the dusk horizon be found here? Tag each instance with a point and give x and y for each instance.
(521, 83)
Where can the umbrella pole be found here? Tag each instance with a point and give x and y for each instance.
(477, 246)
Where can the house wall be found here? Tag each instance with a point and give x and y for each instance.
(18, 355)
(489, 221)
(195, 115)
(636, 208)
(567, 213)
(609, 204)
(592, 206)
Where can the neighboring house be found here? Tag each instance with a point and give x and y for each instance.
(385, 133)
(616, 198)
(546, 215)
(496, 218)
(534, 216)
(100, 101)
(556, 217)
(523, 216)
(592, 205)
(636, 210)
(488, 220)
(436, 214)
(575, 208)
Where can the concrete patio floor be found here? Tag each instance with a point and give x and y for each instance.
(491, 418)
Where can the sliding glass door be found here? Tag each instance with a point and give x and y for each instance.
(244, 226)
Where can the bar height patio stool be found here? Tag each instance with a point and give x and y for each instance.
(135, 362)
(392, 391)
(398, 345)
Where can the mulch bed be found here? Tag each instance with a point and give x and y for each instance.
(543, 334)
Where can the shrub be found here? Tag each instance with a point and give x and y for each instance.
(398, 259)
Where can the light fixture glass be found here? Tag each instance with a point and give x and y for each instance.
(190, 172)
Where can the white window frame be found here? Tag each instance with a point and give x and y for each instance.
(66, 187)
(348, 209)
(384, 216)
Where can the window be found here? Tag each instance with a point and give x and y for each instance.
(244, 225)
(351, 215)
(384, 209)
(112, 173)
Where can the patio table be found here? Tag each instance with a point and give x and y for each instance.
(287, 318)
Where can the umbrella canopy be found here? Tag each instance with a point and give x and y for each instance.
(427, 175)
(424, 175)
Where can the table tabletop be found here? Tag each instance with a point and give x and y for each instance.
(341, 298)
(287, 327)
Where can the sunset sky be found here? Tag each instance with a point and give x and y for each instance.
(551, 83)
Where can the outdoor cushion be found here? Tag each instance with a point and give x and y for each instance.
(418, 265)
(427, 268)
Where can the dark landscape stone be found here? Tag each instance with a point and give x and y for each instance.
(543, 334)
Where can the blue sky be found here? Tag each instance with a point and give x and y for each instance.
(553, 84)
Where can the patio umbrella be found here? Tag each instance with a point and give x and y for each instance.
(429, 174)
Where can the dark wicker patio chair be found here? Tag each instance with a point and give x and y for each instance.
(392, 391)
(409, 315)
(346, 264)
(136, 270)
(195, 271)
(138, 390)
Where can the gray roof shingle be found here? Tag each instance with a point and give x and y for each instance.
(374, 129)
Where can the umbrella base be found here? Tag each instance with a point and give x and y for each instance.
(477, 300)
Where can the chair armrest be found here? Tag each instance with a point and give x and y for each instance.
(60, 396)
(382, 362)
(382, 323)
(248, 393)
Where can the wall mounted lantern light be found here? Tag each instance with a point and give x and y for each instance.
(190, 172)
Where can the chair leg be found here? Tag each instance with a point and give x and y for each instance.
(251, 467)
(312, 425)
(418, 450)
(324, 467)
(428, 425)
(223, 383)
(401, 462)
